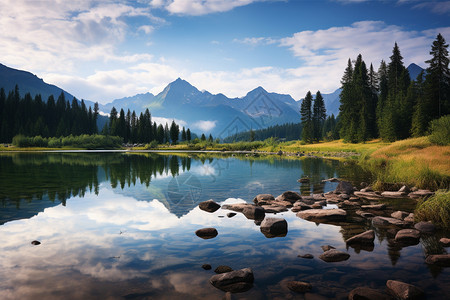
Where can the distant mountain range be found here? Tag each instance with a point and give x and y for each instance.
(201, 111)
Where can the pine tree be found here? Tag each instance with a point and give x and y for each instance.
(203, 137)
(420, 115)
(438, 79)
(188, 135)
(319, 116)
(306, 118)
(174, 132)
(183, 134)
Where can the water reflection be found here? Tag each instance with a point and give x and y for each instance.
(125, 228)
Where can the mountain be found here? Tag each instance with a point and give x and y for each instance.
(414, 71)
(30, 83)
(219, 115)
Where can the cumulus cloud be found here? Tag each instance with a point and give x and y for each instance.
(204, 125)
(203, 7)
(164, 121)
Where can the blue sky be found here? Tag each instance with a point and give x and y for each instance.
(103, 50)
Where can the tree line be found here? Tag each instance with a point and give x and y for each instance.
(288, 132)
(34, 117)
(387, 103)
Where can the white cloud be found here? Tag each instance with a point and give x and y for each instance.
(253, 41)
(147, 29)
(164, 121)
(204, 125)
(435, 7)
(203, 7)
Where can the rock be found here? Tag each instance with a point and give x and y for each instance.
(235, 281)
(316, 206)
(394, 195)
(344, 196)
(303, 180)
(445, 242)
(209, 206)
(331, 180)
(334, 255)
(374, 207)
(207, 233)
(327, 247)
(367, 189)
(323, 215)
(273, 227)
(263, 199)
(387, 222)
(299, 286)
(400, 215)
(307, 256)
(404, 189)
(369, 195)
(421, 194)
(365, 293)
(403, 291)
(206, 267)
(35, 243)
(280, 152)
(344, 187)
(289, 196)
(364, 214)
(274, 208)
(350, 204)
(223, 269)
(239, 207)
(230, 215)
(408, 236)
(254, 212)
(409, 218)
(442, 260)
(425, 227)
(366, 237)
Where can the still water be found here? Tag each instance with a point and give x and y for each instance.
(122, 226)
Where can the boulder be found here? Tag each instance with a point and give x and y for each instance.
(425, 227)
(365, 214)
(400, 215)
(408, 236)
(307, 256)
(334, 255)
(404, 189)
(207, 233)
(299, 286)
(366, 237)
(323, 215)
(442, 260)
(409, 218)
(35, 243)
(369, 195)
(273, 227)
(365, 293)
(344, 196)
(344, 187)
(274, 208)
(235, 281)
(254, 212)
(222, 269)
(289, 196)
(404, 291)
(206, 266)
(230, 215)
(445, 242)
(367, 189)
(209, 206)
(387, 222)
(239, 207)
(263, 199)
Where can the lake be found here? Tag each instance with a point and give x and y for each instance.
(122, 226)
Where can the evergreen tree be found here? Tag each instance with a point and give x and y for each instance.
(203, 137)
(174, 132)
(438, 79)
(306, 118)
(420, 115)
(210, 138)
(319, 116)
(183, 134)
(188, 135)
(166, 134)
(160, 134)
(382, 96)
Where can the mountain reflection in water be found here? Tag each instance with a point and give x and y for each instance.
(122, 226)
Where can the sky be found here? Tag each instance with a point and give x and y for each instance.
(105, 50)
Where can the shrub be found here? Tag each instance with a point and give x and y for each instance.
(435, 209)
(440, 131)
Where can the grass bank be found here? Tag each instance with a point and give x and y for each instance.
(435, 209)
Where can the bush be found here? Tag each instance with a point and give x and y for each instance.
(440, 131)
(82, 141)
(435, 209)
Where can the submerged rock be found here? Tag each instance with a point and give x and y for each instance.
(365, 293)
(239, 207)
(35, 243)
(366, 237)
(408, 236)
(209, 206)
(344, 187)
(235, 281)
(403, 291)
(299, 286)
(334, 255)
(307, 256)
(274, 227)
(230, 215)
(323, 215)
(254, 212)
(223, 269)
(207, 233)
(206, 267)
(386, 222)
(327, 247)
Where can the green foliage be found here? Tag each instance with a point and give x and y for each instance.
(306, 117)
(288, 132)
(440, 131)
(84, 141)
(435, 209)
